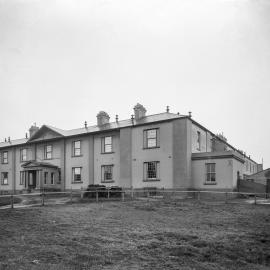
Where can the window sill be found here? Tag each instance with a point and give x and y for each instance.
(77, 182)
(108, 181)
(48, 158)
(107, 153)
(214, 183)
(73, 156)
(151, 180)
(145, 148)
(4, 163)
(4, 184)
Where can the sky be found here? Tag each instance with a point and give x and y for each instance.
(63, 61)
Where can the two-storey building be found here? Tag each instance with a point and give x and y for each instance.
(164, 150)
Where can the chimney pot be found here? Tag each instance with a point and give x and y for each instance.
(190, 114)
(139, 111)
(167, 109)
(85, 124)
(102, 118)
(8, 139)
(116, 118)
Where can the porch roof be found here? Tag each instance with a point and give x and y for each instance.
(34, 164)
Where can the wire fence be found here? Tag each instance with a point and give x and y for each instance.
(81, 196)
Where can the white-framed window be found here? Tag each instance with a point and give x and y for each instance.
(210, 177)
(23, 154)
(4, 178)
(151, 171)
(52, 178)
(48, 151)
(106, 173)
(106, 144)
(151, 138)
(46, 178)
(77, 174)
(22, 177)
(198, 140)
(76, 145)
(5, 157)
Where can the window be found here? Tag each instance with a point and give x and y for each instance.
(199, 140)
(77, 174)
(151, 171)
(48, 151)
(22, 177)
(23, 154)
(45, 178)
(107, 173)
(5, 157)
(4, 178)
(151, 138)
(246, 165)
(52, 178)
(106, 144)
(210, 173)
(76, 148)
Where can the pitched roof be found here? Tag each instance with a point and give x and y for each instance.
(91, 129)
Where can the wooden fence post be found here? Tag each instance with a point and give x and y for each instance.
(255, 199)
(123, 196)
(12, 201)
(108, 193)
(81, 192)
(132, 195)
(71, 196)
(199, 196)
(226, 197)
(43, 199)
(96, 196)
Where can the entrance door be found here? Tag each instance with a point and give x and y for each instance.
(32, 179)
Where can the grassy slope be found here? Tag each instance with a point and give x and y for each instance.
(136, 235)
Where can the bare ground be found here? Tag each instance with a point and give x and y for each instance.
(136, 235)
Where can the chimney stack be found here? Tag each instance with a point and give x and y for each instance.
(139, 111)
(167, 109)
(33, 129)
(116, 118)
(190, 114)
(9, 139)
(85, 124)
(5, 139)
(132, 119)
(26, 135)
(102, 118)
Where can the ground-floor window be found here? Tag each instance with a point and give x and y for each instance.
(4, 178)
(106, 173)
(77, 174)
(151, 171)
(210, 173)
(22, 177)
(52, 178)
(45, 178)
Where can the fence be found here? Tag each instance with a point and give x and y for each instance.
(53, 198)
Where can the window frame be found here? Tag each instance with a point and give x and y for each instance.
(47, 152)
(52, 178)
(198, 141)
(22, 177)
(73, 175)
(74, 148)
(104, 144)
(46, 176)
(4, 178)
(210, 182)
(146, 171)
(4, 159)
(103, 180)
(146, 138)
(21, 154)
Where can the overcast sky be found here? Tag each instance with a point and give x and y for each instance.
(62, 61)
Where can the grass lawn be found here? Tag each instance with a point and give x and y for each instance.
(136, 235)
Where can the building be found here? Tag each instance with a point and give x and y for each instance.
(164, 150)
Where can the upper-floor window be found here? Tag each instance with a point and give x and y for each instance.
(48, 151)
(23, 154)
(210, 173)
(77, 174)
(76, 145)
(151, 138)
(199, 140)
(106, 173)
(106, 144)
(5, 157)
(4, 178)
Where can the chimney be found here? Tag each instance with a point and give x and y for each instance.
(116, 118)
(139, 111)
(102, 118)
(85, 124)
(190, 114)
(132, 119)
(9, 139)
(26, 135)
(167, 109)
(5, 139)
(33, 129)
